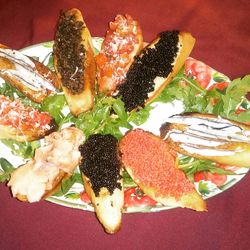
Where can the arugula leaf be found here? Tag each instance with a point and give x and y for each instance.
(7, 170)
(107, 117)
(127, 180)
(24, 149)
(190, 165)
(67, 184)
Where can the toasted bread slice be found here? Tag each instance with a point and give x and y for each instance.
(122, 42)
(154, 68)
(26, 74)
(151, 164)
(209, 137)
(102, 178)
(74, 61)
(23, 123)
(57, 160)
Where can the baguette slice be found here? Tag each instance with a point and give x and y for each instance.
(151, 164)
(122, 42)
(23, 123)
(53, 162)
(154, 68)
(209, 137)
(26, 74)
(74, 61)
(102, 178)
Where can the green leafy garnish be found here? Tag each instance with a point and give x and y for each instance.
(7, 170)
(107, 117)
(127, 180)
(190, 166)
(67, 184)
(203, 188)
(24, 149)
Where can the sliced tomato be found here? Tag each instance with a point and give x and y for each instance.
(217, 179)
(198, 70)
(133, 197)
(199, 176)
(84, 197)
(219, 85)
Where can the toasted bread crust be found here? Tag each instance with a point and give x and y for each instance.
(154, 176)
(236, 153)
(7, 66)
(81, 100)
(108, 207)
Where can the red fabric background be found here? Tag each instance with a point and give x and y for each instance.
(222, 31)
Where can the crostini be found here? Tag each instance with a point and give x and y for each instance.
(29, 76)
(23, 123)
(102, 177)
(208, 137)
(54, 161)
(152, 165)
(154, 68)
(122, 42)
(74, 61)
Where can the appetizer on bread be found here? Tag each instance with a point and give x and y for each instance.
(209, 137)
(74, 61)
(26, 74)
(102, 178)
(122, 42)
(152, 165)
(23, 123)
(53, 162)
(154, 68)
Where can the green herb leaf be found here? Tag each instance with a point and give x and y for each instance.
(203, 188)
(7, 170)
(24, 149)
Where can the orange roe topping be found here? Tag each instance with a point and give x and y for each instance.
(153, 164)
(114, 57)
(15, 114)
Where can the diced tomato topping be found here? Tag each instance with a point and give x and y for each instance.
(16, 114)
(115, 55)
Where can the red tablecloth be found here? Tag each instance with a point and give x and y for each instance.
(222, 30)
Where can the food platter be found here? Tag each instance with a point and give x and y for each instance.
(159, 112)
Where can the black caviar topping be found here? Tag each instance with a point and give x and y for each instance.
(101, 162)
(152, 62)
(69, 52)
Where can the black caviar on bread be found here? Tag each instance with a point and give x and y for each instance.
(154, 68)
(102, 177)
(74, 61)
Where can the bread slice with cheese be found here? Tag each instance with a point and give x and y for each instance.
(152, 165)
(154, 68)
(102, 178)
(122, 42)
(74, 61)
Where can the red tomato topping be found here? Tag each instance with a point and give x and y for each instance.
(114, 58)
(199, 71)
(16, 114)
